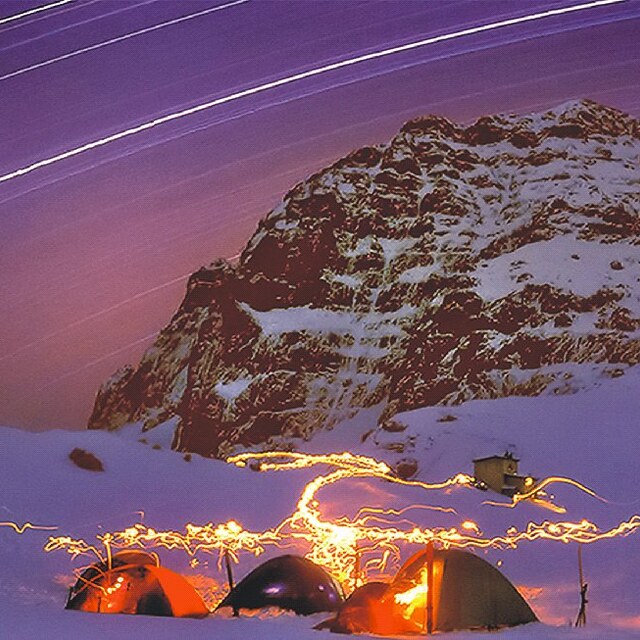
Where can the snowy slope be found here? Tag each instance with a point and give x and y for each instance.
(591, 436)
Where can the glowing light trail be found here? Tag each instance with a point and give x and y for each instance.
(354, 464)
(376, 513)
(24, 14)
(518, 497)
(73, 547)
(229, 537)
(337, 545)
(297, 77)
(537, 495)
(27, 525)
(133, 34)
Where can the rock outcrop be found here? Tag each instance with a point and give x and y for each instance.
(452, 263)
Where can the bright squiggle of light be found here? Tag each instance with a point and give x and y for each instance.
(297, 77)
(333, 543)
(518, 497)
(227, 538)
(105, 43)
(30, 12)
(370, 514)
(356, 465)
(338, 545)
(537, 494)
(74, 547)
(27, 525)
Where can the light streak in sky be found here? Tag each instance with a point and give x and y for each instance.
(27, 525)
(45, 16)
(24, 14)
(126, 302)
(102, 312)
(78, 5)
(314, 91)
(92, 363)
(78, 24)
(297, 77)
(336, 544)
(127, 36)
(94, 316)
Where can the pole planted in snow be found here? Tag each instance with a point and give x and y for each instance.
(429, 611)
(581, 620)
(227, 564)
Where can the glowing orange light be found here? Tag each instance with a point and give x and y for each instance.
(340, 545)
(469, 525)
(414, 598)
(27, 525)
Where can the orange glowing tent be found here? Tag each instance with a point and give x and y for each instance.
(468, 593)
(135, 583)
(367, 610)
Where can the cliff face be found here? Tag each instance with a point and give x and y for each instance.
(452, 263)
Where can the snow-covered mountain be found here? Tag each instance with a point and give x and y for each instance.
(453, 263)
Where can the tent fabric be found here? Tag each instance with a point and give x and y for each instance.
(135, 584)
(469, 593)
(362, 612)
(288, 582)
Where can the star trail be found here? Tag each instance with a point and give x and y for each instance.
(126, 36)
(145, 126)
(33, 11)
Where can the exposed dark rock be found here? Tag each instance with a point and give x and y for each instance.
(406, 468)
(86, 460)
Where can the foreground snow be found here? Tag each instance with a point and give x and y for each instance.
(50, 623)
(591, 436)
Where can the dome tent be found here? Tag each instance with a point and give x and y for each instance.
(469, 593)
(288, 582)
(365, 611)
(136, 584)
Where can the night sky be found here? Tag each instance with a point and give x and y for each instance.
(95, 249)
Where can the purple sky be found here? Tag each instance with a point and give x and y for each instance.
(95, 250)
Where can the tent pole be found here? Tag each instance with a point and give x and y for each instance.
(227, 564)
(430, 587)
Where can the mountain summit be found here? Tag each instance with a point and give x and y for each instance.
(450, 264)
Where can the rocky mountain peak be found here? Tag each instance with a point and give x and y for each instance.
(452, 263)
